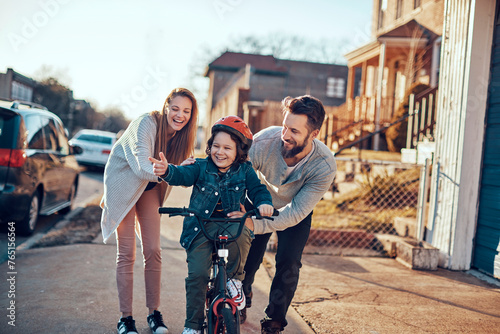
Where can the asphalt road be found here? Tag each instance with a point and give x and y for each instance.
(91, 183)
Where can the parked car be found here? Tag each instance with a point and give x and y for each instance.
(96, 146)
(38, 171)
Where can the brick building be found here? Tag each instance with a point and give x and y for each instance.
(252, 86)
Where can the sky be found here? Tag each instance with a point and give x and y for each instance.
(131, 54)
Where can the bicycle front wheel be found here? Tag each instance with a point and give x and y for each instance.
(230, 321)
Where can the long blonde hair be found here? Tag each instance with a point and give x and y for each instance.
(180, 146)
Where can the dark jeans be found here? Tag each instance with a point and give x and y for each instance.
(291, 243)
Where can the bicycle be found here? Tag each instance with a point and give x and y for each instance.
(221, 312)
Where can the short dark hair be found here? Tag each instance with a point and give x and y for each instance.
(306, 105)
(241, 148)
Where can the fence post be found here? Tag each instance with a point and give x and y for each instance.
(409, 129)
(422, 199)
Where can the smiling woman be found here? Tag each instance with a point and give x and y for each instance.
(132, 192)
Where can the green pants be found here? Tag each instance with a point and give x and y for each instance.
(199, 259)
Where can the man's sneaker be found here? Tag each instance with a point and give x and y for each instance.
(248, 304)
(155, 322)
(191, 331)
(270, 327)
(235, 292)
(249, 299)
(243, 315)
(126, 326)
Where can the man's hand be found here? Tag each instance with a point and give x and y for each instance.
(159, 166)
(239, 214)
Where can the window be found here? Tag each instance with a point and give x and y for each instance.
(21, 92)
(335, 87)
(382, 7)
(63, 146)
(35, 132)
(399, 8)
(50, 134)
(416, 4)
(95, 139)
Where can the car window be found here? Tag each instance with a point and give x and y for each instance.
(95, 138)
(35, 132)
(6, 130)
(49, 134)
(63, 147)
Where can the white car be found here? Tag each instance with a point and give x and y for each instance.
(96, 146)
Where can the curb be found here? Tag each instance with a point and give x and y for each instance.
(61, 224)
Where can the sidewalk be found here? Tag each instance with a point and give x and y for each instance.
(72, 289)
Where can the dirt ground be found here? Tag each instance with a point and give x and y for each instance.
(82, 228)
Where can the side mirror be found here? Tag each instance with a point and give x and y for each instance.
(75, 149)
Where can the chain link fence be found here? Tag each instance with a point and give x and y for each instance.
(369, 200)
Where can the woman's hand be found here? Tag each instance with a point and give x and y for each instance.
(189, 161)
(266, 210)
(159, 166)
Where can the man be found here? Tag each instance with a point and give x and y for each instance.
(297, 169)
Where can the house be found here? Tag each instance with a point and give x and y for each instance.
(15, 86)
(404, 50)
(464, 215)
(252, 86)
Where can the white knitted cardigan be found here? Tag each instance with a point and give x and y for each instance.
(127, 173)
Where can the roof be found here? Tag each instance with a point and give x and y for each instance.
(403, 36)
(411, 29)
(233, 61)
(16, 76)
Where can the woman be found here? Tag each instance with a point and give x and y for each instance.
(132, 192)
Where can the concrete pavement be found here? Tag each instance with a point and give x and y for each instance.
(72, 289)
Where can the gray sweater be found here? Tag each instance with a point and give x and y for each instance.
(296, 196)
(128, 172)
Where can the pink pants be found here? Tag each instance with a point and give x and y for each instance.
(146, 210)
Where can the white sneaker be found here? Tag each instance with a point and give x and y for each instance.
(191, 331)
(234, 289)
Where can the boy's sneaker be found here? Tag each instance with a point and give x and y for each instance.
(234, 289)
(126, 326)
(191, 331)
(155, 322)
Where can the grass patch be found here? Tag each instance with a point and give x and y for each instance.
(373, 204)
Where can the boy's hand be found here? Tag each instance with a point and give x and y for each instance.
(159, 166)
(266, 210)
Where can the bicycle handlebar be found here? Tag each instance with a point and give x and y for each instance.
(186, 212)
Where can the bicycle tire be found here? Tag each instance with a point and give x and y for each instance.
(229, 321)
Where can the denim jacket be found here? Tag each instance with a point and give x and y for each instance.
(209, 186)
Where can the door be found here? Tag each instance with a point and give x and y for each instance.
(487, 242)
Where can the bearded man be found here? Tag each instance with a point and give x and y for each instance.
(297, 169)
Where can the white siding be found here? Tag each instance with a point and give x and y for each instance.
(464, 73)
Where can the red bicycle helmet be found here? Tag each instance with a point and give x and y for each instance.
(236, 126)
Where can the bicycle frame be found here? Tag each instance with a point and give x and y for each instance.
(222, 315)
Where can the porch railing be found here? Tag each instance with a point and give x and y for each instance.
(422, 121)
(354, 119)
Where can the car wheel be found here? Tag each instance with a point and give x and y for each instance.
(28, 224)
(71, 199)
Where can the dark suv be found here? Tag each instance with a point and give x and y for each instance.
(38, 172)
